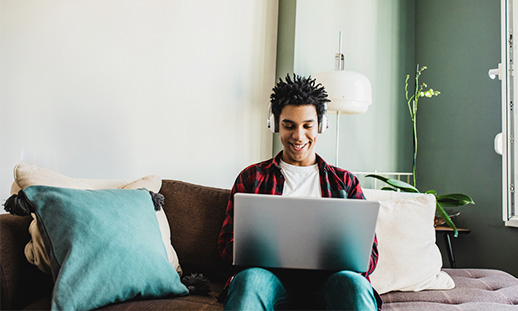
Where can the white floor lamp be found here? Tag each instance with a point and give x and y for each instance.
(350, 92)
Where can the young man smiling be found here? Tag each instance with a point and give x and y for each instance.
(298, 106)
(299, 126)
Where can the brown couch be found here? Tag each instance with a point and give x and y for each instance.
(195, 215)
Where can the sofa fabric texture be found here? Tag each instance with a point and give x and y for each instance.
(195, 214)
(476, 289)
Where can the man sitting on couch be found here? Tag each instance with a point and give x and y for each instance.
(298, 106)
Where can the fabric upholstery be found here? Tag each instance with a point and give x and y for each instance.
(195, 215)
(476, 289)
(29, 288)
(20, 282)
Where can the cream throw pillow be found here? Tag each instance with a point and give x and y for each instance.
(409, 259)
(26, 175)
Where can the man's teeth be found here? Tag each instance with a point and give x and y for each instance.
(299, 146)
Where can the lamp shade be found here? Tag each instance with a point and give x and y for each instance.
(350, 92)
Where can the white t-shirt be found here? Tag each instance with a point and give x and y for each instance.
(301, 180)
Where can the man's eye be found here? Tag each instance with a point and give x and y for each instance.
(308, 126)
(289, 126)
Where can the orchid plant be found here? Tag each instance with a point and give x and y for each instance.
(447, 200)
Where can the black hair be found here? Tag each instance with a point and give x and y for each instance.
(298, 91)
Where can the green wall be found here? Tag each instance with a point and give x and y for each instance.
(459, 41)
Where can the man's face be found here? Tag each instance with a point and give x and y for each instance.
(298, 130)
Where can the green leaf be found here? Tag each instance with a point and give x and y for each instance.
(454, 199)
(440, 210)
(431, 192)
(406, 187)
(389, 189)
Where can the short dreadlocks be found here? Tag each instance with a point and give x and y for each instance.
(298, 91)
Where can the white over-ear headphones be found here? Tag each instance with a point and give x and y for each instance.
(274, 126)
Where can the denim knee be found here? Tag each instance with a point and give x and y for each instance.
(255, 289)
(350, 280)
(347, 290)
(253, 277)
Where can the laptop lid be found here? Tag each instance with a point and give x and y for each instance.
(303, 233)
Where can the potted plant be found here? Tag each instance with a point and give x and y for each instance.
(445, 200)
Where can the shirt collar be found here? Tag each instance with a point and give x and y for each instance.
(322, 165)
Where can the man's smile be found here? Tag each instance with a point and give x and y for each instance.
(298, 133)
(299, 147)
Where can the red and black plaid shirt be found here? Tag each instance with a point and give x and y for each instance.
(266, 178)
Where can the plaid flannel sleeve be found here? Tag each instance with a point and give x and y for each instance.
(226, 235)
(355, 192)
(374, 258)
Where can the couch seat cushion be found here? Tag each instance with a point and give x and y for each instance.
(476, 289)
(190, 302)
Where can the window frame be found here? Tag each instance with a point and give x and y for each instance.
(509, 114)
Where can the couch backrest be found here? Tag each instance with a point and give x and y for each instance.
(195, 214)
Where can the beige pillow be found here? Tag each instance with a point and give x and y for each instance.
(409, 259)
(26, 175)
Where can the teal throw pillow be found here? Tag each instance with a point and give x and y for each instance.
(105, 246)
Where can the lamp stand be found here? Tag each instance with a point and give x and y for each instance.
(337, 137)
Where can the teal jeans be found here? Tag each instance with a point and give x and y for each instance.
(261, 289)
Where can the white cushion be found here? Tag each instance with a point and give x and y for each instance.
(26, 175)
(409, 259)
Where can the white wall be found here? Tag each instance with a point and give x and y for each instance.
(125, 88)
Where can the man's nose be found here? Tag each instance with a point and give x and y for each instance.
(298, 133)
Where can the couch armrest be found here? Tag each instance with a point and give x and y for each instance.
(20, 282)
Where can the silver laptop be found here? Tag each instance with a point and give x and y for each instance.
(274, 231)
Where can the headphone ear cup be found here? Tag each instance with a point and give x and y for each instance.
(271, 124)
(324, 124)
(322, 127)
